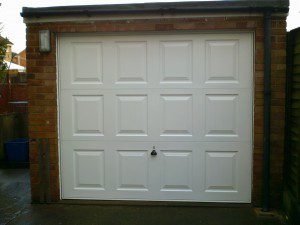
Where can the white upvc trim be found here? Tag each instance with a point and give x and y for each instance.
(58, 115)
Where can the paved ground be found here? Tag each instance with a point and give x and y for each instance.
(15, 208)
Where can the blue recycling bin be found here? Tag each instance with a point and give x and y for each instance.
(17, 150)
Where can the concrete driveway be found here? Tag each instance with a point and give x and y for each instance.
(15, 208)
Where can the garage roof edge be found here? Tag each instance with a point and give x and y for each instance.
(162, 7)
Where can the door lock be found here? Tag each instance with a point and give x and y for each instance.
(153, 153)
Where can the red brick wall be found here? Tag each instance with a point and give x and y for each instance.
(43, 92)
(14, 92)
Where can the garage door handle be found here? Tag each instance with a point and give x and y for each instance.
(153, 153)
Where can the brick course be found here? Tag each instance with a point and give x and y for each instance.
(43, 91)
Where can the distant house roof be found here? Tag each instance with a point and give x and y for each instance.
(167, 7)
(5, 39)
(14, 66)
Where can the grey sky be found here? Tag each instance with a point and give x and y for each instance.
(14, 28)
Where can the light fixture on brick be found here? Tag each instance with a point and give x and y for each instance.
(44, 37)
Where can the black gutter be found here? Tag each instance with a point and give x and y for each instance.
(134, 11)
(267, 110)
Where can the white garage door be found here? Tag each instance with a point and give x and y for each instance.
(188, 97)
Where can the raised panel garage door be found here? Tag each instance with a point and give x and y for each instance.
(185, 97)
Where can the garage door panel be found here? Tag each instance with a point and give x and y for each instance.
(132, 172)
(176, 115)
(177, 170)
(222, 61)
(86, 71)
(226, 64)
(226, 167)
(89, 168)
(221, 115)
(132, 115)
(81, 73)
(227, 115)
(131, 62)
(176, 61)
(83, 169)
(88, 115)
(82, 114)
(220, 171)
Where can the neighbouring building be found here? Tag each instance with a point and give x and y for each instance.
(20, 58)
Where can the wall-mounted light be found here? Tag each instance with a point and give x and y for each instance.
(44, 36)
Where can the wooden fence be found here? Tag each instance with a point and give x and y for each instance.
(291, 193)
